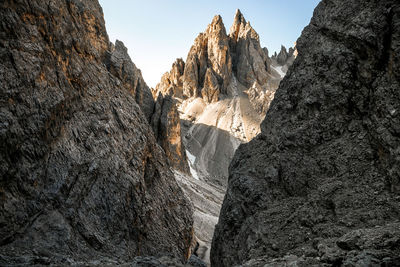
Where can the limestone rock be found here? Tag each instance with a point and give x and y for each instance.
(209, 52)
(167, 128)
(282, 56)
(321, 181)
(172, 82)
(250, 62)
(285, 57)
(82, 178)
(120, 65)
(211, 87)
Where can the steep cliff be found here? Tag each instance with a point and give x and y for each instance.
(321, 181)
(167, 128)
(121, 66)
(82, 177)
(162, 114)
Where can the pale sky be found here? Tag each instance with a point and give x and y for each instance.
(156, 32)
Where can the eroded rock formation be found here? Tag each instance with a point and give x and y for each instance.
(285, 58)
(208, 65)
(172, 82)
(120, 65)
(167, 128)
(250, 62)
(82, 177)
(222, 91)
(321, 181)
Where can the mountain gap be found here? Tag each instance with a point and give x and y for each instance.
(222, 93)
(235, 158)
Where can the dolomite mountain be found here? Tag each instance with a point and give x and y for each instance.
(83, 179)
(222, 92)
(320, 185)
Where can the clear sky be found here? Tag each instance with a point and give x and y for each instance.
(156, 32)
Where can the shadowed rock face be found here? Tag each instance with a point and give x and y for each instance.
(321, 182)
(285, 58)
(82, 176)
(250, 62)
(167, 128)
(120, 65)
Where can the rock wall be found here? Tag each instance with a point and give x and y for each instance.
(121, 66)
(83, 179)
(321, 181)
(167, 128)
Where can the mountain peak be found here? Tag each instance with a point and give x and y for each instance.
(239, 22)
(239, 18)
(217, 19)
(217, 25)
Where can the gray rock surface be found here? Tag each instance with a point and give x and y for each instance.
(167, 128)
(251, 63)
(321, 181)
(121, 66)
(207, 200)
(82, 178)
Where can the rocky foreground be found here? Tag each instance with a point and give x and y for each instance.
(320, 185)
(83, 180)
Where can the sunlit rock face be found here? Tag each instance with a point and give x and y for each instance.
(319, 186)
(172, 82)
(223, 92)
(83, 180)
(208, 65)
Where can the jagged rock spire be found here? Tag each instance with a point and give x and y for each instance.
(209, 55)
(239, 22)
(216, 57)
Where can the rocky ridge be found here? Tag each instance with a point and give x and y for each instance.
(83, 180)
(285, 57)
(222, 91)
(320, 185)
